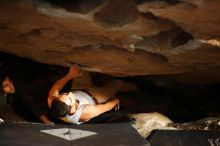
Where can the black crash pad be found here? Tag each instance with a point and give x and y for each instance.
(31, 134)
(184, 138)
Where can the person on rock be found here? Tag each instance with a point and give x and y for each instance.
(81, 105)
(14, 88)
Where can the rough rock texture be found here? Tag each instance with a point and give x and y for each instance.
(117, 13)
(145, 123)
(211, 123)
(172, 39)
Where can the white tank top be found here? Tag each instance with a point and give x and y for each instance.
(83, 99)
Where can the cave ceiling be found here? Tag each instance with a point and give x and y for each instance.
(171, 39)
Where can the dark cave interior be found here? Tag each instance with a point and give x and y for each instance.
(179, 102)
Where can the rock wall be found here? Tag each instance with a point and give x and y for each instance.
(178, 40)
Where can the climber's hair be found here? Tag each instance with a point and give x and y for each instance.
(59, 108)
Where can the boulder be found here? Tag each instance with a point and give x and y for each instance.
(120, 38)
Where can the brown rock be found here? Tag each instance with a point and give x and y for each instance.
(173, 40)
(79, 6)
(200, 19)
(117, 13)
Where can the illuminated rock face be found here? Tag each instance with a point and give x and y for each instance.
(177, 40)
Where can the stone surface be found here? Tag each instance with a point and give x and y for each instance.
(117, 13)
(145, 123)
(163, 38)
(77, 6)
(199, 18)
(210, 123)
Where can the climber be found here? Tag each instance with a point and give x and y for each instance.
(80, 106)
